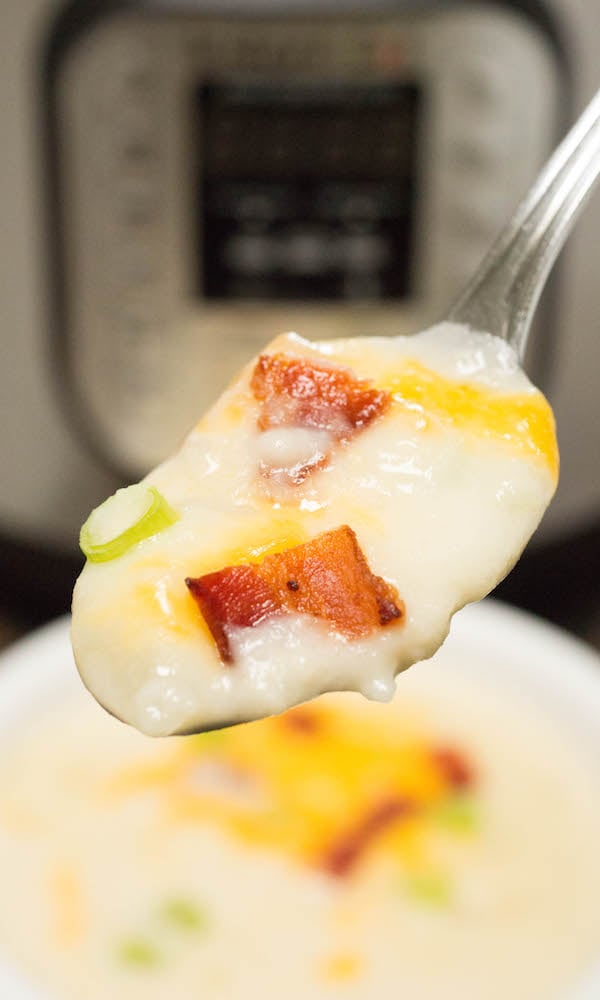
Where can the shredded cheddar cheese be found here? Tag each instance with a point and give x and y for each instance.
(342, 968)
(524, 421)
(67, 906)
(310, 783)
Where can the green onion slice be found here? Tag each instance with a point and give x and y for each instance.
(184, 914)
(126, 518)
(458, 813)
(430, 888)
(138, 952)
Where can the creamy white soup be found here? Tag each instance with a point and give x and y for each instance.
(440, 847)
(316, 531)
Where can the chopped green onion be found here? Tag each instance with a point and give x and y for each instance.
(431, 888)
(184, 914)
(458, 814)
(126, 518)
(139, 952)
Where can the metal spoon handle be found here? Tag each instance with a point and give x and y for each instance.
(503, 294)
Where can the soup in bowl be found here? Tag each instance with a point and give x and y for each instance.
(441, 846)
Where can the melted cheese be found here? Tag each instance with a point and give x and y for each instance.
(442, 489)
(522, 421)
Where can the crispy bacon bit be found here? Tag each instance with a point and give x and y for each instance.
(454, 767)
(332, 581)
(346, 852)
(299, 392)
(388, 610)
(237, 595)
(302, 721)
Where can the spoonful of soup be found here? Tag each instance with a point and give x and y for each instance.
(321, 524)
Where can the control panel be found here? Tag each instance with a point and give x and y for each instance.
(223, 180)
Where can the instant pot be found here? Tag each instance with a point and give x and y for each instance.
(187, 179)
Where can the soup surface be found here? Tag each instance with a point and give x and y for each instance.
(440, 847)
(316, 531)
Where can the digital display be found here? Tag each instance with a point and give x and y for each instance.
(305, 191)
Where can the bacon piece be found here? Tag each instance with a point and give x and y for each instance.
(454, 767)
(301, 721)
(327, 578)
(346, 852)
(237, 595)
(299, 392)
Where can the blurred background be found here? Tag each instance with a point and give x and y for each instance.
(180, 181)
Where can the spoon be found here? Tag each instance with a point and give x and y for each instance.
(502, 296)
(267, 616)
